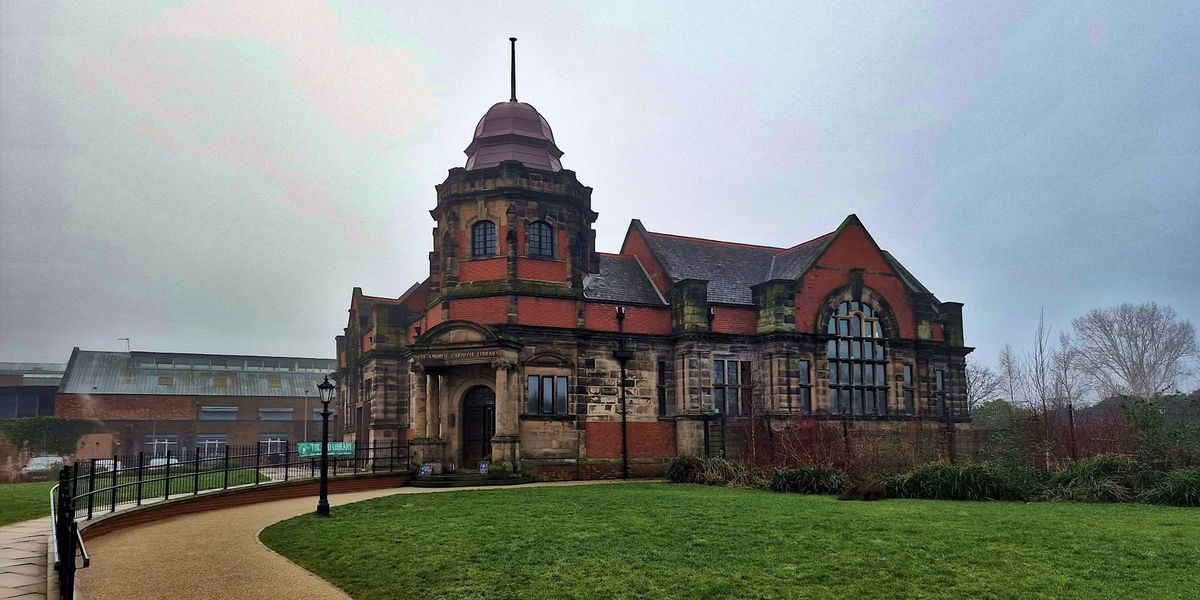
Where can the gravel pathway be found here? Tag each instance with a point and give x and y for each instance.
(214, 554)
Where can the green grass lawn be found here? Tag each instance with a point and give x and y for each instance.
(24, 501)
(688, 541)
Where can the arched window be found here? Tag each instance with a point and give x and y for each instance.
(483, 239)
(539, 239)
(857, 378)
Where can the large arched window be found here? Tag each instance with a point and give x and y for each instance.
(483, 239)
(857, 378)
(539, 239)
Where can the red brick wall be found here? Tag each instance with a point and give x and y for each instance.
(647, 439)
(638, 319)
(546, 312)
(852, 249)
(588, 471)
(543, 269)
(483, 269)
(120, 407)
(635, 245)
(489, 310)
(735, 320)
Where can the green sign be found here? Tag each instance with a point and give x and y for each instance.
(336, 449)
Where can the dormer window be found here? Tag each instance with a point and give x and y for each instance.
(483, 239)
(539, 239)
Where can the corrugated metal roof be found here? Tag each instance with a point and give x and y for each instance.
(93, 372)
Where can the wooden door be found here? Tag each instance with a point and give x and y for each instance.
(478, 425)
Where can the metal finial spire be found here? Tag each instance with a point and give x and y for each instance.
(513, 41)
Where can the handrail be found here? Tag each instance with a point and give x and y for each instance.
(54, 523)
(87, 559)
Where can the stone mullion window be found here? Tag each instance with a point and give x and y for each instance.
(804, 393)
(546, 395)
(733, 387)
(857, 361)
(539, 239)
(483, 239)
(910, 391)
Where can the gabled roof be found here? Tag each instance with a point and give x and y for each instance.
(621, 279)
(730, 268)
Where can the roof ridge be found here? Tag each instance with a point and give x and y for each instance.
(712, 241)
(812, 241)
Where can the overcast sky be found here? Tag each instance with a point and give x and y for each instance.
(217, 176)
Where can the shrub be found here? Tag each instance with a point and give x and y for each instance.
(809, 480)
(983, 481)
(716, 471)
(1102, 478)
(1180, 487)
(685, 469)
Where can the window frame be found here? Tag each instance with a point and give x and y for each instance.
(938, 395)
(483, 239)
(858, 385)
(661, 388)
(543, 401)
(741, 390)
(232, 411)
(544, 241)
(910, 388)
(276, 410)
(804, 385)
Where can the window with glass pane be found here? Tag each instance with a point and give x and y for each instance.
(910, 391)
(160, 445)
(546, 395)
(731, 387)
(662, 388)
(211, 444)
(539, 239)
(483, 239)
(275, 414)
(939, 391)
(857, 376)
(218, 413)
(804, 389)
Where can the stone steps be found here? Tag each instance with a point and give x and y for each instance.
(469, 479)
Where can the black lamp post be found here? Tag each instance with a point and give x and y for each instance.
(623, 355)
(326, 388)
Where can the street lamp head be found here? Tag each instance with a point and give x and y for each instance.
(326, 388)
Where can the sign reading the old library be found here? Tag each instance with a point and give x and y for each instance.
(336, 449)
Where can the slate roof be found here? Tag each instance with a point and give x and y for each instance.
(92, 372)
(730, 268)
(621, 279)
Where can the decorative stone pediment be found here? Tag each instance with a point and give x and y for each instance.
(457, 332)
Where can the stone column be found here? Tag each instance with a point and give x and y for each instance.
(433, 419)
(444, 404)
(506, 441)
(417, 402)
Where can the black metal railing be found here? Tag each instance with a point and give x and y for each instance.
(91, 488)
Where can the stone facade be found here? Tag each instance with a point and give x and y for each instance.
(519, 337)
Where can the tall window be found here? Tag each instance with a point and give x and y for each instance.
(731, 387)
(546, 395)
(939, 392)
(273, 443)
(483, 239)
(857, 382)
(211, 444)
(910, 391)
(804, 389)
(661, 383)
(539, 239)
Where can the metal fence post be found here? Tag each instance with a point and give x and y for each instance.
(287, 462)
(113, 495)
(91, 493)
(196, 472)
(141, 463)
(373, 456)
(167, 482)
(226, 467)
(257, 461)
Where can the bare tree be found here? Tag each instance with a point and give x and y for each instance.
(982, 384)
(1136, 349)
(1068, 377)
(1012, 380)
(1038, 378)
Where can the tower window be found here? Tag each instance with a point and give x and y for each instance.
(539, 239)
(483, 239)
(857, 382)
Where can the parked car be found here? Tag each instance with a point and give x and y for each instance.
(42, 468)
(162, 462)
(106, 464)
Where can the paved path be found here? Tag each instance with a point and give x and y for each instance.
(214, 554)
(23, 559)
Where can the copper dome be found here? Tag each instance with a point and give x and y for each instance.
(513, 131)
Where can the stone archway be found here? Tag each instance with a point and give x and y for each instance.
(478, 424)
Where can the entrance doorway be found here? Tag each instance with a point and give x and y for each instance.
(478, 424)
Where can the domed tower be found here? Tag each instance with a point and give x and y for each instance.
(512, 220)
